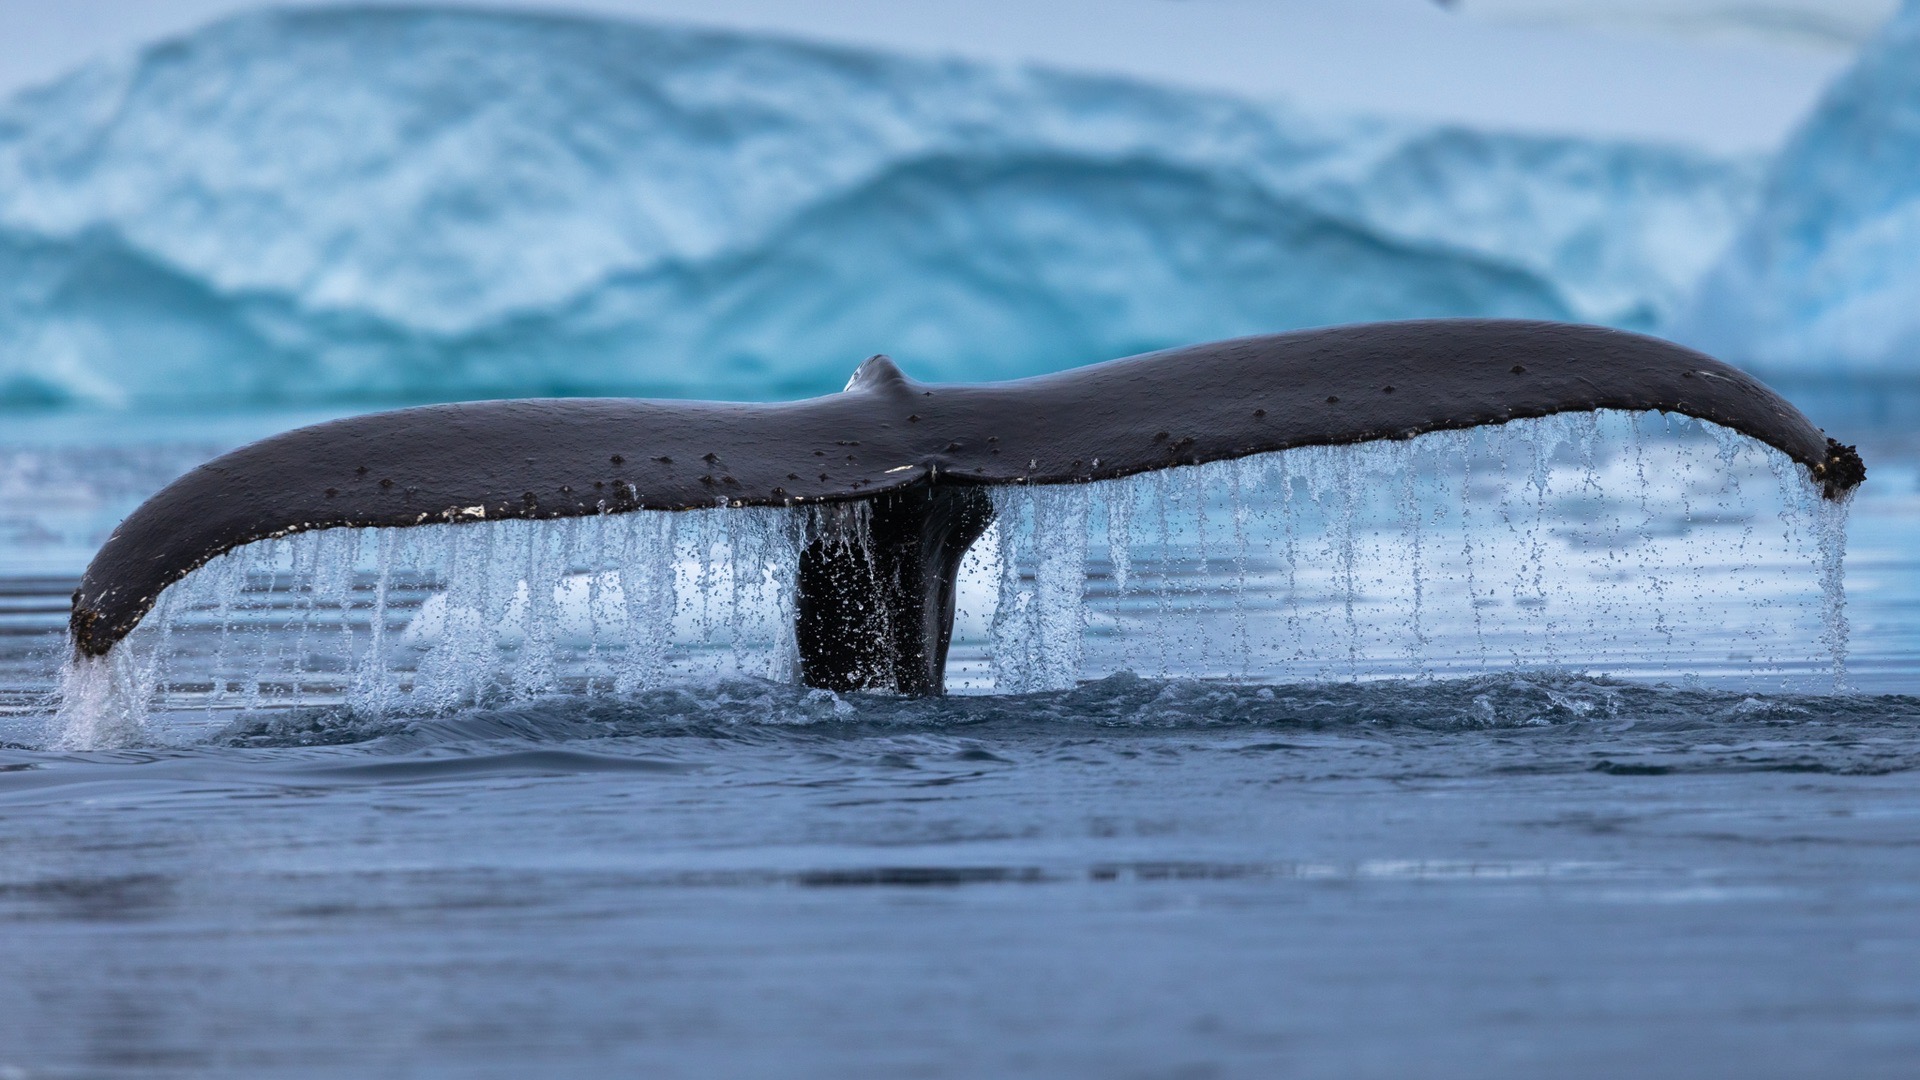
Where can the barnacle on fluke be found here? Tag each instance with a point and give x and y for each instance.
(1841, 471)
(882, 618)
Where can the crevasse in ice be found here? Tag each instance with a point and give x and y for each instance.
(362, 204)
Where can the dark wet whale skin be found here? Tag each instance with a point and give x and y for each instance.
(549, 458)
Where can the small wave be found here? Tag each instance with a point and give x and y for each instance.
(747, 708)
(517, 762)
(1517, 728)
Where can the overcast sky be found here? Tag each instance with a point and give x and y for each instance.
(1525, 64)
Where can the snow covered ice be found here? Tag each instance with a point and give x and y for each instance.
(1824, 278)
(363, 204)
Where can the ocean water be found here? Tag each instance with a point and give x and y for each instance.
(1559, 751)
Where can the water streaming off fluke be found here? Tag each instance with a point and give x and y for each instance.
(1637, 545)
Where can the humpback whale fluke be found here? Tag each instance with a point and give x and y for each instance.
(903, 466)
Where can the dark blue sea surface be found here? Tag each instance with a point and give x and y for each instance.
(1522, 873)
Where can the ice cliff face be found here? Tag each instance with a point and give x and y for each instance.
(1826, 277)
(355, 204)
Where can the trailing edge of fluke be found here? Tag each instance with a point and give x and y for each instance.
(921, 455)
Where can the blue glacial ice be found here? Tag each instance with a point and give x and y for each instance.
(385, 204)
(1825, 276)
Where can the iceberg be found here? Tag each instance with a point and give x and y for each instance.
(1825, 276)
(394, 204)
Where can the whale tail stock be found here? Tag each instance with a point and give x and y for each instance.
(901, 468)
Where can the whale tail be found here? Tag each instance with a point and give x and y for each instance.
(901, 469)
